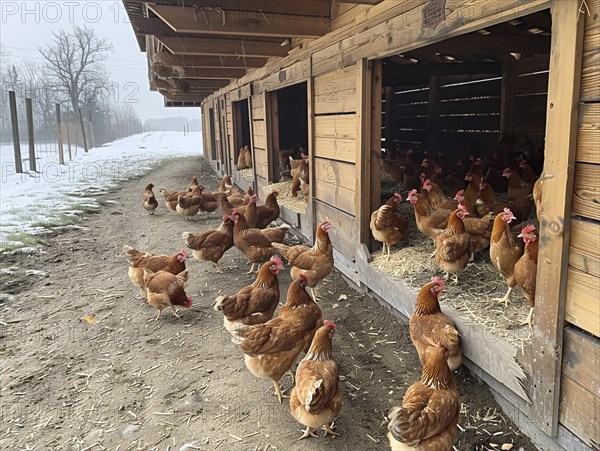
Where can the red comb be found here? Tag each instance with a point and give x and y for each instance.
(462, 207)
(329, 324)
(303, 277)
(275, 259)
(412, 193)
(438, 281)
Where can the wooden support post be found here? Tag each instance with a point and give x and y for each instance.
(559, 164)
(92, 136)
(61, 155)
(368, 152)
(30, 135)
(311, 210)
(433, 110)
(14, 120)
(389, 120)
(85, 147)
(507, 107)
(68, 139)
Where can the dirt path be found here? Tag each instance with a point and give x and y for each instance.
(129, 383)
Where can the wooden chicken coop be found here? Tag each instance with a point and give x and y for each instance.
(348, 79)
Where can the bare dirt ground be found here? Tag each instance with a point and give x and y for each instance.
(124, 382)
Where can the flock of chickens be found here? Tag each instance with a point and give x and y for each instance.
(472, 221)
(271, 344)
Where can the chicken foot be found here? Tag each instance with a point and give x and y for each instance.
(329, 430)
(217, 267)
(251, 269)
(528, 321)
(141, 294)
(314, 293)
(308, 432)
(278, 392)
(506, 299)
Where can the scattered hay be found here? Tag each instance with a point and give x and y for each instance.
(285, 196)
(479, 289)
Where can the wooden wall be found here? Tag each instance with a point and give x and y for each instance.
(335, 125)
(580, 387)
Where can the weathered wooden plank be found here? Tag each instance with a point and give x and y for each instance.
(584, 252)
(336, 92)
(483, 89)
(370, 174)
(582, 307)
(561, 137)
(586, 192)
(419, 109)
(588, 138)
(579, 411)
(337, 196)
(581, 359)
(296, 73)
(243, 92)
(258, 111)
(590, 76)
(335, 149)
(261, 166)
(475, 122)
(343, 232)
(335, 173)
(341, 126)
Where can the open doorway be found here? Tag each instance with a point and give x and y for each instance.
(288, 112)
(212, 135)
(241, 127)
(472, 103)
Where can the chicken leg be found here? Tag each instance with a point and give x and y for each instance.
(217, 267)
(158, 316)
(528, 321)
(251, 269)
(278, 392)
(506, 299)
(175, 312)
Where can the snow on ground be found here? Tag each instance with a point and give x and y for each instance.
(34, 202)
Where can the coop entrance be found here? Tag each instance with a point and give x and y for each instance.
(241, 127)
(475, 102)
(212, 135)
(288, 114)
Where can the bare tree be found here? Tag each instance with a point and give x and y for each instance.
(75, 62)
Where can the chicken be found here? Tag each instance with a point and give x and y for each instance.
(519, 207)
(150, 203)
(299, 175)
(209, 206)
(241, 163)
(250, 211)
(453, 246)
(276, 234)
(429, 325)
(387, 226)
(253, 243)
(537, 198)
(472, 189)
(517, 188)
(164, 289)
(253, 304)
(268, 212)
(437, 198)
(505, 251)
(527, 173)
(171, 198)
(272, 348)
(429, 224)
(305, 188)
(211, 244)
(139, 260)
(430, 409)
(455, 180)
(188, 204)
(460, 198)
(316, 400)
(316, 262)
(526, 268)
(193, 183)
(248, 156)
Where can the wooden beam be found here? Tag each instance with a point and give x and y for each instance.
(181, 103)
(226, 47)
(216, 21)
(555, 227)
(150, 26)
(193, 84)
(183, 97)
(442, 69)
(224, 62)
(389, 119)
(433, 114)
(214, 73)
(507, 102)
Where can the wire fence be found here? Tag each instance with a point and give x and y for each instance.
(55, 130)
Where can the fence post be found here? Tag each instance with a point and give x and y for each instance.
(85, 147)
(29, 110)
(15, 131)
(68, 139)
(61, 155)
(92, 137)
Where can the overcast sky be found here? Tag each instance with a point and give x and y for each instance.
(26, 25)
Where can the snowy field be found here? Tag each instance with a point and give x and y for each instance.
(34, 202)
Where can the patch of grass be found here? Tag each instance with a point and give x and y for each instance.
(17, 240)
(103, 202)
(84, 209)
(61, 220)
